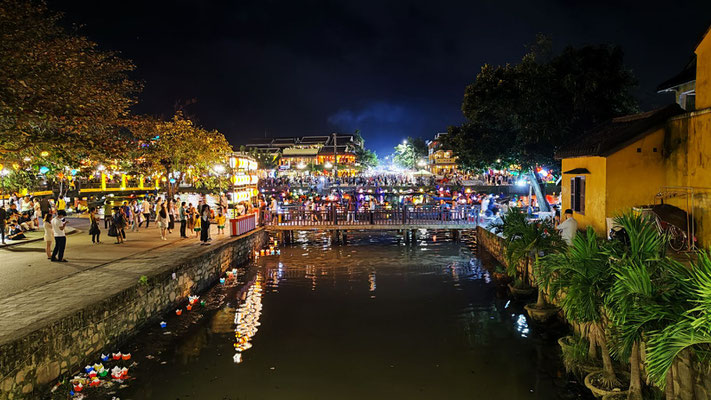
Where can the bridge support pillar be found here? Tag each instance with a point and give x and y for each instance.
(344, 238)
(414, 235)
(456, 235)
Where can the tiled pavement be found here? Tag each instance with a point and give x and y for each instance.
(35, 292)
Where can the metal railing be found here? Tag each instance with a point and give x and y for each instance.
(340, 215)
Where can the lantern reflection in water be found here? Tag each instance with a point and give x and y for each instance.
(247, 318)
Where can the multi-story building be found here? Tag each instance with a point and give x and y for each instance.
(300, 153)
(441, 161)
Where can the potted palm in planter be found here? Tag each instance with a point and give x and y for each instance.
(583, 274)
(647, 292)
(517, 233)
(541, 238)
(690, 330)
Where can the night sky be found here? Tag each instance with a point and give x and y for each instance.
(391, 69)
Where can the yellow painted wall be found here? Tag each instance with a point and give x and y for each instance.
(703, 73)
(595, 191)
(689, 165)
(634, 178)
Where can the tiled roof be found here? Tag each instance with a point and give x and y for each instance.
(617, 133)
(688, 74)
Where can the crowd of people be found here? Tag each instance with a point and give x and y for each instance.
(20, 215)
(373, 181)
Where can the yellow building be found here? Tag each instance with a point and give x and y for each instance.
(440, 161)
(661, 155)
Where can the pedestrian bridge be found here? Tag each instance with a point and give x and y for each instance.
(400, 218)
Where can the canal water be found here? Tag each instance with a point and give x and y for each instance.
(376, 318)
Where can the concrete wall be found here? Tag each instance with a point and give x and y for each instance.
(30, 363)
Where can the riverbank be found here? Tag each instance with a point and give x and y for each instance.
(689, 380)
(50, 326)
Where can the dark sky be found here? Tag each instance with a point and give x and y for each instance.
(389, 68)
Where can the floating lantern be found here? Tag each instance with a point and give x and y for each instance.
(124, 372)
(116, 373)
(126, 356)
(104, 357)
(178, 312)
(222, 281)
(78, 387)
(98, 367)
(92, 373)
(116, 356)
(88, 368)
(95, 382)
(103, 372)
(189, 307)
(193, 299)
(434, 238)
(278, 252)
(163, 324)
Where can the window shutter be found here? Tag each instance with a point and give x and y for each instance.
(582, 195)
(572, 194)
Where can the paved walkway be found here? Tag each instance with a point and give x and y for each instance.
(35, 291)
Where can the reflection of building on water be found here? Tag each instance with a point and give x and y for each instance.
(221, 322)
(247, 317)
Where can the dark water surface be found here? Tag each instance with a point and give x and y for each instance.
(376, 318)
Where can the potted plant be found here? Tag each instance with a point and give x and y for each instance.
(516, 231)
(690, 330)
(542, 238)
(583, 274)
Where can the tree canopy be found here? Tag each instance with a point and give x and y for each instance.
(59, 93)
(520, 114)
(366, 158)
(410, 152)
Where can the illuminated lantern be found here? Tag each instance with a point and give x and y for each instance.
(117, 356)
(44, 153)
(233, 162)
(178, 312)
(189, 307)
(126, 356)
(163, 324)
(104, 357)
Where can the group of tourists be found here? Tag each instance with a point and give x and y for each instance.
(192, 220)
(33, 214)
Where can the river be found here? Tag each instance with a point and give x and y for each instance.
(376, 318)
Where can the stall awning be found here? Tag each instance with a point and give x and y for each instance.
(577, 171)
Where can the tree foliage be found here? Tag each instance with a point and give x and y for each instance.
(410, 152)
(180, 148)
(521, 113)
(59, 93)
(366, 158)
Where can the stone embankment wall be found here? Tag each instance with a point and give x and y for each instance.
(494, 245)
(30, 363)
(690, 380)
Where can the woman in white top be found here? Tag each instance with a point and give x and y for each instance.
(48, 234)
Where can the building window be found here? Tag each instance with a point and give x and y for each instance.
(577, 194)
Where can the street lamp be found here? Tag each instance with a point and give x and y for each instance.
(328, 165)
(421, 163)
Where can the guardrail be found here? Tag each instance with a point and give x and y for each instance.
(339, 215)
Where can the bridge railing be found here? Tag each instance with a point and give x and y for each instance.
(339, 215)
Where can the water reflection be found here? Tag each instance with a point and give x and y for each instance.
(247, 316)
(377, 318)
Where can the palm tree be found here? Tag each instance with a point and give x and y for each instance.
(690, 330)
(583, 274)
(647, 293)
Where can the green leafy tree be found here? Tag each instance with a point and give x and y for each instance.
(180, 148)
(410, 152)
(521, 113)
(366, 158)
(59, 93)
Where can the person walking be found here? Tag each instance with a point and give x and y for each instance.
(220, 219)
(59, 223)
(48, 234)
(171, 215)
(162, 220)
(94, 226)
(197, 225)
(108, 214)
(146, 210)
(190, 216)
(182, 215)
(135, 215)
(205, 225)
